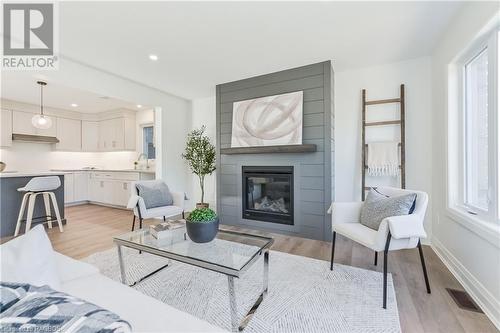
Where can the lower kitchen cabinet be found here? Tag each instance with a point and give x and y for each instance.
(69, 187)
(109, 188)
(81, 186)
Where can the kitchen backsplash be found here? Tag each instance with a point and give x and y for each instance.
(29, 157)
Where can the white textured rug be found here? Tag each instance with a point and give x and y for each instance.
(304, 295)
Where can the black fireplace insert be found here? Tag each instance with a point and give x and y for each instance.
(268, 193)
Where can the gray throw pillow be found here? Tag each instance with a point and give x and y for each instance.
(378, 206)
(155, 193)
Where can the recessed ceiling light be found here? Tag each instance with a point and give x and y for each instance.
(153, 57)
(74, 105)
(139, 106)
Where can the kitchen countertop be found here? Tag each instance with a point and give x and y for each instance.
(106, 170)
(57, 172)
(11, 174)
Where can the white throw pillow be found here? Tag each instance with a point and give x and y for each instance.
(30, 259)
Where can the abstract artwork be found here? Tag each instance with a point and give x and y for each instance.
(268, 121)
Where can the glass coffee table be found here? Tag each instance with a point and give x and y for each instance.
(230, 253)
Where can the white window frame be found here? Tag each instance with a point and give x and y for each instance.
(142, 126)
(457, 196)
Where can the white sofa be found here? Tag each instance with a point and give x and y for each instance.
(145, 314)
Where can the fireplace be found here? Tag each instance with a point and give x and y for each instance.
(268, 193)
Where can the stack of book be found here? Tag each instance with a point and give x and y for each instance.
(168, 228)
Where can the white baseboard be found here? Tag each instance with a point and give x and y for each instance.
(488, 303)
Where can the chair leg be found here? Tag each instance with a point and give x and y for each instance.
(133, 223)
(46, 202)
(56, 210)
(376, 258)
(333, 250)
(386, 252)
(140, 223)
(21, 213)
(31, 208)
(422, 260)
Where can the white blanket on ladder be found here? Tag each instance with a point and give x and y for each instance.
(383, 159)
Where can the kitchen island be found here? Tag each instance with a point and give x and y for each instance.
(10, 199)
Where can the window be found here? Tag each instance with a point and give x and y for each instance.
(476, 132)
(148, 147)
(478, 173)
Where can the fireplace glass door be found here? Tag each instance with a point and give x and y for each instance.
(268, 194)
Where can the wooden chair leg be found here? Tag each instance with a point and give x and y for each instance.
(46, 202)
(333, 250)
(31, 208)
(422, 260)
(21, 212)
(386, 252)
(133, 223)
(56, 210)
(376, 258)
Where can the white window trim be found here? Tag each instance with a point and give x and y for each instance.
(484, 222)
(142, 136)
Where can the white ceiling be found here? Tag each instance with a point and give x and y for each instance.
(21, 86)
(201, 44)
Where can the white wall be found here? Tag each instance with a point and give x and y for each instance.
(204, 114)
(382, 82)
(471, 251)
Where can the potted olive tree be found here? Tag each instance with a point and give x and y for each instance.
(200, 156)
(202, 225)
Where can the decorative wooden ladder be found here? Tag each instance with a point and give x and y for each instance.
(400, 122)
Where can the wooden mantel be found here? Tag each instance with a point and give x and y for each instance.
(290, 149)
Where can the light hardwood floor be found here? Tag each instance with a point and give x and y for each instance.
(90, 229)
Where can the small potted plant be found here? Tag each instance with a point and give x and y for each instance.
(202, 225)
(200, 156)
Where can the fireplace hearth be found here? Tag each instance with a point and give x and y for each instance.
(268, 193)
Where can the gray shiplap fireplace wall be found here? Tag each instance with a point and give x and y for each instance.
(313, 171)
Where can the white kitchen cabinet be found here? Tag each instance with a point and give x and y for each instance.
(90, 135)
(5, 128)
(129, 133)
(69, 184)
(69, 133)
(101, 191)
(81, 186)
(101, 187)
(117, 134)
(21, 124)
(121, 192)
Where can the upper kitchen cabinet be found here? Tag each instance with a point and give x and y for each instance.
(117, 134)
(6, 128)
(90, 135)
(21, 124)
(69, 133)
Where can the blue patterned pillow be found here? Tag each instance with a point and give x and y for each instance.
(27, 308)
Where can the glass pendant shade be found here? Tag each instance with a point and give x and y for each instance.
(41, 121)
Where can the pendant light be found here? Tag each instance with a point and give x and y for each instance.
(41, 121)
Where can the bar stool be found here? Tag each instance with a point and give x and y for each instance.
(36, 186)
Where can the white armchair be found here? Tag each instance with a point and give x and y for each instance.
(136, 203)
(394, 233)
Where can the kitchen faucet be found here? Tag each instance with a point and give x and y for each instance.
(143, 156)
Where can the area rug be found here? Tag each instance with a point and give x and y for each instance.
(304, 295)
